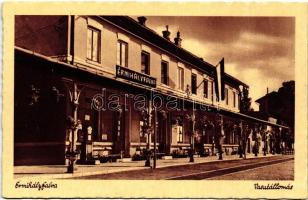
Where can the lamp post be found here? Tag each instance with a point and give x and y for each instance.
(155, 136)
(205, 125)
(192, 118)
(264, 138)
(148, 132)
(246, 133)
(241, 87)
(75, 126)
(219, 135)
(192, 142)
(240, 138)
(255, 137)
(280, 141)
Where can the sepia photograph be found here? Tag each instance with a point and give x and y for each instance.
(161, 97)
(90, 89)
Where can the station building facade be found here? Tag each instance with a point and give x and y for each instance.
(113, 69)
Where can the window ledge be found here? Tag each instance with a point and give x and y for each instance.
(145, 74)
(92, 65)
(98, 64)
(165, 86)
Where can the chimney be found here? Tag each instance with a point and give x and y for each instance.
(267, 90)
(166, 33)
(142, 20)
(178, 39)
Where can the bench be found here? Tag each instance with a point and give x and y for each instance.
(109, 158)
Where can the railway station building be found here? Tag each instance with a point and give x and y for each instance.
(101, 85)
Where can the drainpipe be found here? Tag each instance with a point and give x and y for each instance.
(71, 37)
(155, 137)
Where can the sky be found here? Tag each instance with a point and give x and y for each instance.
(257, 50)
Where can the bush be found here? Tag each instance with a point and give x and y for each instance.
(179, 153)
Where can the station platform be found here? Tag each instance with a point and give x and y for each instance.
(59, 171)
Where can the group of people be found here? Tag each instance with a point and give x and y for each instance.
(263, 139)
(267, 140)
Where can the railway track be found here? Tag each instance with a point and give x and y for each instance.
(227, 170)
(196, 171)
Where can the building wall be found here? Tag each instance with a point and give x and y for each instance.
(80, 39)
(135, 137)
(172, 73)
(230, 105)
(109, 42)
(39, 113)
(211, 90)
(47, 35)
(109, 36)
(155, 63)
(36, 32)
(107, 63)
(108, 54)
(134, 54)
